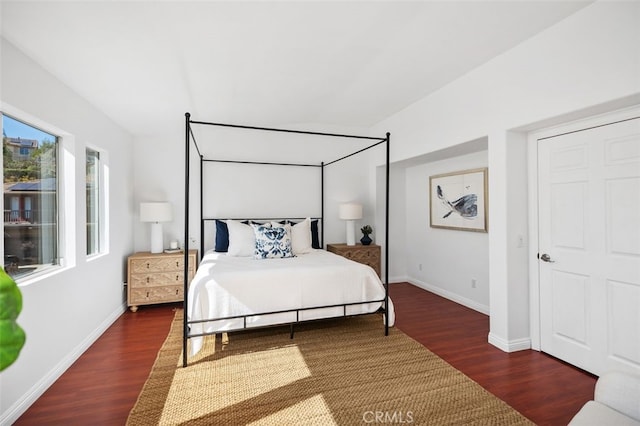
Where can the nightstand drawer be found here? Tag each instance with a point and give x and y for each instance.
(158, 264)
(156, 279)
(360, 255)
(142, 296)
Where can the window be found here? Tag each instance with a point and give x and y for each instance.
(93, 201)
(30, 161)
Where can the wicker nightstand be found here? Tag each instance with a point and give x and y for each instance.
(368, 255)
(157, 278)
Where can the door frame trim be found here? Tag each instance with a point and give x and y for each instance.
(532, 188)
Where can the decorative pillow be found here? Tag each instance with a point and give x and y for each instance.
(272, 243)
(222, 237)
(301, 237)
(242, 240)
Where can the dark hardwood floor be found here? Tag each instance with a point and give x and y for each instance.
(542, 388)
(102, 386)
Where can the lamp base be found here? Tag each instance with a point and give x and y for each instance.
(351, 230)
(157, 245)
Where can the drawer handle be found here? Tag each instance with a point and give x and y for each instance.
(176, 291)
(147, 265)
(177, 263)
(147, 280)
(177, 278)
(147, 294)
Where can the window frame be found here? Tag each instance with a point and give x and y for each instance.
(101, 234)
(65, 190)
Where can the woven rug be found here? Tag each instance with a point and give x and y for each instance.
(342, 372)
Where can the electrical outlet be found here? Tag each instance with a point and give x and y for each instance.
(473, 283)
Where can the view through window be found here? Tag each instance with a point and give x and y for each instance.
(30, 198)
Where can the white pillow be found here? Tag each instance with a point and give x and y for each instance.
(242, 239)
(301, 237)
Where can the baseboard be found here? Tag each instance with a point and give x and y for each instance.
(509, 345)
(471, 304)
(14, 412)
(402, 279)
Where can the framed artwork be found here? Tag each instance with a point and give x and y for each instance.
(458, 200)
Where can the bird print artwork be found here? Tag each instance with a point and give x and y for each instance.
(465, 206)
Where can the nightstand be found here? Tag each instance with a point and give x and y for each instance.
(157, 278)
(368, 255)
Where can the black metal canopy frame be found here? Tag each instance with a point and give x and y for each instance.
(190, 138)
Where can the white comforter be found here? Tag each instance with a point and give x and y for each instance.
(226, 286)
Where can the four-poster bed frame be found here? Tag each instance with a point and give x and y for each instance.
(190, 138)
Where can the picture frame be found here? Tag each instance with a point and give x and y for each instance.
(458, 200)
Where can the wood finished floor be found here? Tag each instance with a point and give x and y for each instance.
(103, 385)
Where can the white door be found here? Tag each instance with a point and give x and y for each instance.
(589, 246)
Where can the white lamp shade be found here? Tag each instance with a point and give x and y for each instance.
(350, 211)
(155, 212)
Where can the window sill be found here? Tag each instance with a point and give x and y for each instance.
(41, 273)
(96, 256)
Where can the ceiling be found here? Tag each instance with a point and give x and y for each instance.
(326, 63)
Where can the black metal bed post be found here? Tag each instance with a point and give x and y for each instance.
(201, 205)
(185, 303)
(322, 205)
(386, 244)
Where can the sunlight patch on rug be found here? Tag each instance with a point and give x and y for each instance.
(226, 381)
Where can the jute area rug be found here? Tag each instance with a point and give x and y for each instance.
(334, 372)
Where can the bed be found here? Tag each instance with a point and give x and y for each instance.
(310, 286)
(283, 275)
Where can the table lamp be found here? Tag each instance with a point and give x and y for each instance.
(350, 212)
(156, 213)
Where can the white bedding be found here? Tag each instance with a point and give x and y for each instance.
(226, 286)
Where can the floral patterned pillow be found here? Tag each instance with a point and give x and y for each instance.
(272, 243)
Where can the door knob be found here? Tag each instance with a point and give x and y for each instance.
(546, 258)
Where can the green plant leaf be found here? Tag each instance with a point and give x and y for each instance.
(12, 337)
(366, 230)
(10, 297)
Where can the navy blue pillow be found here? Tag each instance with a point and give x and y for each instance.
(315, 241)
(222, 237)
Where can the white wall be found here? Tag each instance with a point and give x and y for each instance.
(66, 311)
(587, 63)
